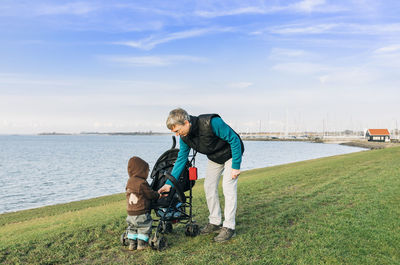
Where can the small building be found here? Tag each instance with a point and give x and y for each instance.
(378, 135)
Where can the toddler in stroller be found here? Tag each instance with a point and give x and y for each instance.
(173, 208)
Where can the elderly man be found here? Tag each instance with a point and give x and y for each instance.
(210, 135)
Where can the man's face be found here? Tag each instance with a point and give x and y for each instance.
(181, 130)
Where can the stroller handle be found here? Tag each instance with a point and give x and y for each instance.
(173, 142)
(179, 192)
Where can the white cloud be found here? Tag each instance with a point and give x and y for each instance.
(308, 5)
(304, 29)
(336, 28)
(150, 42)
(389, 49)
(300, 68)
(349, 77)
(73, 8)
(38, 86)
(237, 11)
(261, 8)
(240, 85)
(141, 8)
(154, 60)
(316, 6)
(28, 80)
(387, 60)
(30, 9)
(257, 32)
(372, 29)
(338, 76)
(280, 53)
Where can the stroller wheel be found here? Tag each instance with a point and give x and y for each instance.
(124, 239)
(192, 230)
(162, 243)
(167, 227)
(158, 243)
(152, 241)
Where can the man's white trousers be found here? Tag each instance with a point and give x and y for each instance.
(229, 187)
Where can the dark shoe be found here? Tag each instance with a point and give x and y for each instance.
(225, 234)
(210, 228)
(133, 244)
(142, 244)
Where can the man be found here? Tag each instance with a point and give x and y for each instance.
(210, 135)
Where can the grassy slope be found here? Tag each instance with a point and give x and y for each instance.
(342, 209)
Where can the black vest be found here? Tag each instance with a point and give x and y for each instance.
(202, 139)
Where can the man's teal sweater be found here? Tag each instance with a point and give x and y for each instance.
(221, 130)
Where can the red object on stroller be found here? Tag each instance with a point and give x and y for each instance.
(193, 173)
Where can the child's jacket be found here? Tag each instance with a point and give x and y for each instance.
(138, 186)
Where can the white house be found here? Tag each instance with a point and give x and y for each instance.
(378, 135)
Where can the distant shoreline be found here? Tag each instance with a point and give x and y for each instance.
(107, 133)
(342, 141)
(354, 142)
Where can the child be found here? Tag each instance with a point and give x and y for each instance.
(138, 196)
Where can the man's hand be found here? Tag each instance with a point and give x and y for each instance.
(165, 188)
(235, 173)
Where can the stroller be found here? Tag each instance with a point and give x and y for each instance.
(173, 208)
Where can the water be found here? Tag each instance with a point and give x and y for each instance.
(44, 170)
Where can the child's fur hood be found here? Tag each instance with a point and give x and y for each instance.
(137, 167)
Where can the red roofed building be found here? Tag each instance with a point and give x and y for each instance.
(378, 135)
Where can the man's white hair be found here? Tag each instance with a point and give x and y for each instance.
(177, 117)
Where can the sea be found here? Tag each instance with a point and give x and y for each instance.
(40, 170)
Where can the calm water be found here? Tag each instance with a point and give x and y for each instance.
(45, 170)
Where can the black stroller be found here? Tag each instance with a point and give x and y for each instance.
(174, 208)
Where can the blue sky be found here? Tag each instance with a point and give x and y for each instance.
(72, 66)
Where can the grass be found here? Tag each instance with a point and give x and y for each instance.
(336, 210)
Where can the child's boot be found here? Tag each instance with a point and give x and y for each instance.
(142, 244)
(133, 244)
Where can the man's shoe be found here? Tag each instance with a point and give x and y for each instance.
(132, 244)
(225, 234)
(210, 228)
(142, 245)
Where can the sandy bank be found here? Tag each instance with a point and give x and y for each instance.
(370, 145)
(341, 141)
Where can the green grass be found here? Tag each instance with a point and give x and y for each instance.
(336, 210)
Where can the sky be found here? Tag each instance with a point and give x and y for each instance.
(121, 66)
